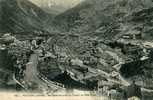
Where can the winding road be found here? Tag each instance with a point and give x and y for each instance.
(32, 75)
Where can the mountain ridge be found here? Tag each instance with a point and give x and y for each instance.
(22, 15)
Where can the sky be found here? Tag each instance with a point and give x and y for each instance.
(64, 3)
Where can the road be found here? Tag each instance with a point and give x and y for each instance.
(31, 69)
(32, 75)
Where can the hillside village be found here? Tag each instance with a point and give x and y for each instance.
(107, 51)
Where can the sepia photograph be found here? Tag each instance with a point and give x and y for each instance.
(76, 49)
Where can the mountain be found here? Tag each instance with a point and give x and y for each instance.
(23, 16)
(101, 17)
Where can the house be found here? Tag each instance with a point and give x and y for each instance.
(132, 35)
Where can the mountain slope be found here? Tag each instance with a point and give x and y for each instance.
(92, 15)
(23, 16)
(143, 21)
